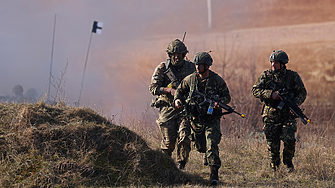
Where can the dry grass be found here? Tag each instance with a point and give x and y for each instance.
(243, 148)
(59, 146)
(244, 156)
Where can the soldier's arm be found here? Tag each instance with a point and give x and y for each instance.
(182, 90)
(157, 80)
(300, 92)
(223, 91)
(259, 89)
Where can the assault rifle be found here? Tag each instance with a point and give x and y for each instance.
(212, 99)
(287, 100)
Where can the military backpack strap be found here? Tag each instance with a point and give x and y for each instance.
(193, 85)
(169, 72)
(167, 64)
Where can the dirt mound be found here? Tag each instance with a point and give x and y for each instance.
(47, 146)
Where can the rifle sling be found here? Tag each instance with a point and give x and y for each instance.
(170, 71)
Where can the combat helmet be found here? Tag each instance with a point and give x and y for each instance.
(202, 58)
(176, 46)
(280, 56)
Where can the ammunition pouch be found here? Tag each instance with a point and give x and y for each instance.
(193, 109)
(160, 101)
(200, 111)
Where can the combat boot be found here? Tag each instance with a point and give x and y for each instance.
(289, 167)
(181, 165)
(274, 168)
(214, 176)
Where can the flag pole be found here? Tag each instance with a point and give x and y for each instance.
(52, 53)
(209, 9)
(82, 80)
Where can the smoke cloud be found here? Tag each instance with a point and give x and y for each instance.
(121, 59)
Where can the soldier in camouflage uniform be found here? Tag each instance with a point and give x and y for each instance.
(205, 128)
(279, 124)
(165, 79)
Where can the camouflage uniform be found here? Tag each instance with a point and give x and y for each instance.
(279, 124)
(169, 117)
(205, 129)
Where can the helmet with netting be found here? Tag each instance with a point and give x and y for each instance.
(280, 56)
(176, 46)
(202, 58)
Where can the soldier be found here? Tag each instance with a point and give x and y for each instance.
(205, 129)
(279, 124)
(164, 81)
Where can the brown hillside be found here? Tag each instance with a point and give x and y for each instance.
(49, 146)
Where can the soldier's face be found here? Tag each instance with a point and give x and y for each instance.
(177, 58)
(275, 65)
(200, 68)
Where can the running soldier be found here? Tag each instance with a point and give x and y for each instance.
(205, 128)
(279, 124)
(164, 82)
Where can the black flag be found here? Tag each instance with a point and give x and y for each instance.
(97, 27)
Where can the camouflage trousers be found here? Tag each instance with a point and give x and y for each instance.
(277, 132)
(175, 132)
(206, 136)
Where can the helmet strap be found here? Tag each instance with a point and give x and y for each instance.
(205, 69)
(282, 67)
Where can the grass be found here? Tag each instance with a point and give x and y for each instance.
(59, 146)
(244, 156)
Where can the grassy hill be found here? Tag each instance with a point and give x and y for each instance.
(59, 146)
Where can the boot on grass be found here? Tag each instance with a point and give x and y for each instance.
(214, 176)
(181, 165)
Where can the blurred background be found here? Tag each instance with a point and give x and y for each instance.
(241, 35)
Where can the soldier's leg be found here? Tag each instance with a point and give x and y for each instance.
(169, 132)
(184, 143)
(272, 133)
(288, 137)
(213, 138)
(198, 136)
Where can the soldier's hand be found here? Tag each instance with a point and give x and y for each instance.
(169, 90)
(178, 103)
(216, 105)
(275, 95)
(172, 91)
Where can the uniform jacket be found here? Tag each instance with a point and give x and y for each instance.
(159, 80)
(270, 81)
(212, 85)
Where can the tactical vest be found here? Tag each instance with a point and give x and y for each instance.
(288, 78)
(172, 74)
(210, 88)
(269, 85)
